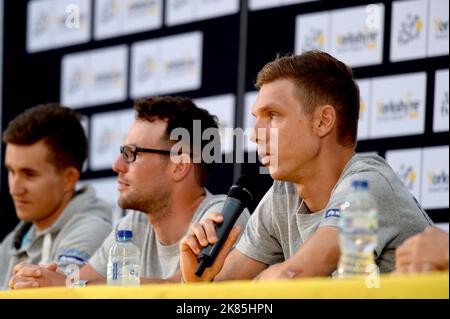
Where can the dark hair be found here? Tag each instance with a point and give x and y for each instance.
(321, 79)
(60, 129)
(180, 112)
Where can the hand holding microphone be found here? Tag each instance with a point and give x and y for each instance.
(192, 255)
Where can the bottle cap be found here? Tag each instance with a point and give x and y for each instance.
(360, 184)
(124, 235)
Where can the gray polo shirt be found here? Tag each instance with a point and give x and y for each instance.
(71, 239)
(282, 222)
(157, 260)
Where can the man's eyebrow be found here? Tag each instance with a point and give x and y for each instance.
(265, 108)
(28, 170)
(22, 169)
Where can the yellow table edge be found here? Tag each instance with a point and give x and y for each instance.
(422, 286)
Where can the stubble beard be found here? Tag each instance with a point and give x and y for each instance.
(153, 204)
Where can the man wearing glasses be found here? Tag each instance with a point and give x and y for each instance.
(163, 185)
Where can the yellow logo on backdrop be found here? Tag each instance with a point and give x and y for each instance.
(362, 106)
(315, 40)
(412, 177)
(146, 70)
(76, 81)
(408, 175)
(42, 24)
(111, 78)
(419, 25)
(410, 29)
(110, 11)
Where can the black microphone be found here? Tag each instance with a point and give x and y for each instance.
(239, 196)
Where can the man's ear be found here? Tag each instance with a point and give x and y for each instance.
(181, 166)
(324, 120)
(71, 177)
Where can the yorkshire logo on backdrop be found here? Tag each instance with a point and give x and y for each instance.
(94, 77)
(108, 79)
(182, 66)
(398, 105)
(353, 35)
(357, 34)
(108, 69)
(438, 181)
(166, 65)
(356, 41)
(53, 24)
(435, 177)
(406, 108)
(139, 8)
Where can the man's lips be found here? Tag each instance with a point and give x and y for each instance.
(122, 184)
(21, 202)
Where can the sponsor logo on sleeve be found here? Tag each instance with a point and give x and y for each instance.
(334, 212)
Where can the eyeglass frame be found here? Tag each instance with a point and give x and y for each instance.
(137, 149)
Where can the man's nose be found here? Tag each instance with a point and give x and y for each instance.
(16, 186)
(119, 165)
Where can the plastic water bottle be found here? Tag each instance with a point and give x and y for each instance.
(123, 261)
(358, 226)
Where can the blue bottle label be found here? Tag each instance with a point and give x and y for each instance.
(115, 271)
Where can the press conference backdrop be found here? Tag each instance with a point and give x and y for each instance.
(98, 56)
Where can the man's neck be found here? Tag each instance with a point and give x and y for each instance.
(46, 222)
(175, 220)
(315, 189)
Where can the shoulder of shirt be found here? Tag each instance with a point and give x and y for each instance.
(85, 208)
(373, 167)
(211, 200)
(366, 162)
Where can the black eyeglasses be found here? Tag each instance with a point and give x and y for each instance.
(129, 152)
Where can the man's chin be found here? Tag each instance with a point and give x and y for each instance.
(126, 203)
(24, 216)
(278, 174)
